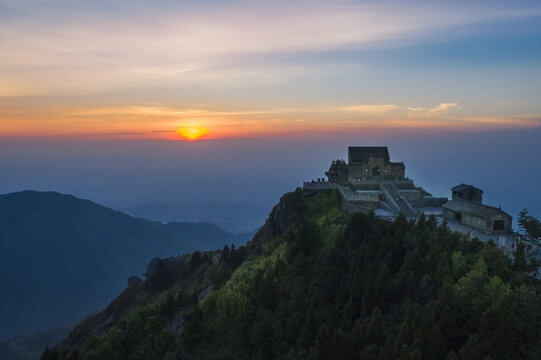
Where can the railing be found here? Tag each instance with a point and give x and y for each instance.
(318, 185)
(404, 200)
(389, 197)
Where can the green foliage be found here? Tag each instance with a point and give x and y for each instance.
(520, 262)
(303, 241)
(528, 224)
(334, 286)
(50, 354)
(373, 291)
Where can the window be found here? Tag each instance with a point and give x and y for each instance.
(498, 225)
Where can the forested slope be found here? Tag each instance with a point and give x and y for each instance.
(320, 284)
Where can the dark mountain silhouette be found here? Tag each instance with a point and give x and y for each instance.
(237, 217)
(62, 258)
(29, 347)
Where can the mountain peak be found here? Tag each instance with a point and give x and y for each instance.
(63, 247)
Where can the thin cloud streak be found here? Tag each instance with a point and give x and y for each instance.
(371, 109)
(390, 109)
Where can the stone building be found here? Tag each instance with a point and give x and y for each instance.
(338, 172)
(370, 181)
(365, 163)
(466, 208)
(372, 162)
(468, 193)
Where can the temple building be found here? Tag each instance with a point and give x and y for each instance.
(365, 163)
(370, 162)
(369, 180)
(466, 208)
(467, 193)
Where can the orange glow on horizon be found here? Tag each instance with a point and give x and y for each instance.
(192, 133)
(21, 118)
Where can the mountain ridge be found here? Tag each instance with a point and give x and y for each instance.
(50, 241)
(317, 283)
(235, 217)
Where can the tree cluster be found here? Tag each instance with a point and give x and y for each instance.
(529, 224)
(375, 291)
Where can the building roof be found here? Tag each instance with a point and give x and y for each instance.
(363, 153)
(463, 187)
(470, 208)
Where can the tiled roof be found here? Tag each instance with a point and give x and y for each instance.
(363, 153)
(463, 187)
(466, 207)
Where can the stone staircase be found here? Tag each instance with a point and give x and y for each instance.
(348, 194)
(393, 202)
(396, 200)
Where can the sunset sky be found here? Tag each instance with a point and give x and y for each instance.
(148, 69)
(105, 99)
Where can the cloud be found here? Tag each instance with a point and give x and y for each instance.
(159, 121)
(80, 48)
(408, 111)
(435, 111)
(443, 107)
(514, 120)
(371, 109)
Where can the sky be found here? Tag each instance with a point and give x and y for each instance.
(127, 102)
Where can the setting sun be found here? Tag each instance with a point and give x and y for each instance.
(192, 133)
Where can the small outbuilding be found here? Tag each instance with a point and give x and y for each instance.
(466, 208)
(468, 193)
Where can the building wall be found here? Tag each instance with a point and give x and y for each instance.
(475, 222)
(319, 185)
(397, 170)
(376, 162)
(364, 171)
(411, 195)
(338, 172)
(429, 201)
(357, 172)
(478, 222)
(448, 214)
(472, 195)
(365, 185)
(369, 195)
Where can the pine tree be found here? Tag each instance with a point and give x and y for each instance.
(530, 226)
(520, 262)
(523, 219)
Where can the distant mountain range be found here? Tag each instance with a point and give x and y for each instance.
(61, 258)
(32, 346)
(236, 217)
